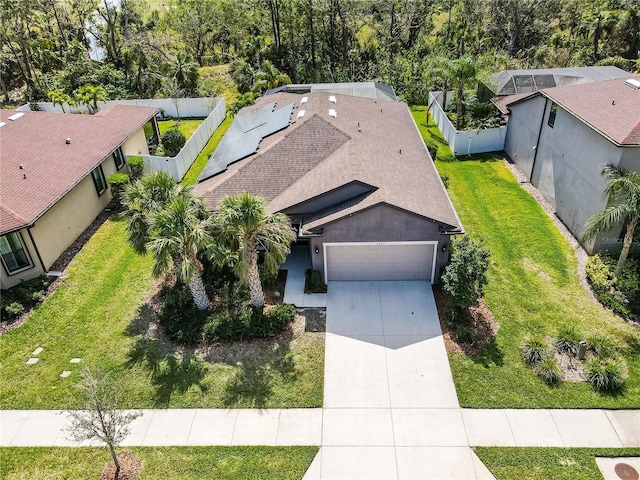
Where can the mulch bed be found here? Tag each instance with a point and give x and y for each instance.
(479, 319)
(277, 286)
(130, 467)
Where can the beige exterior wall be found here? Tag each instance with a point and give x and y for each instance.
(136, 144)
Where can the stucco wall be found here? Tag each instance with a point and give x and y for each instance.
(8, 281)
(567, 169)
(630, 158)
(136, 144)
(381, 224)
(522, 133)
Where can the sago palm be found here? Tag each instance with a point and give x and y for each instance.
(623, 197)
(177, 234)
(142, 200)
(243, 225)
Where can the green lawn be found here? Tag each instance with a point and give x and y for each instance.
(533, 285)
(429, 129)
(191, 177)
(99, 314)
(184, 463)
(512, 463)
(187, 126)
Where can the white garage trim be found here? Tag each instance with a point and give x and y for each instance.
(339, 244)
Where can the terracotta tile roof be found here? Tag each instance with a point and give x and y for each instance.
(373, 142)
(51, 167)
(609, 106)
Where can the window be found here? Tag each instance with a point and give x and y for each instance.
(552, 114)
(98, 180)
(14, 256)
(118, 158)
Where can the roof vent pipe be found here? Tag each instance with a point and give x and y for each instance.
(68, 141)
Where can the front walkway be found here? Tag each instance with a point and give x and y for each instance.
(297, 263)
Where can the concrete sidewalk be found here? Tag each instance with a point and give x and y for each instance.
(297, 263)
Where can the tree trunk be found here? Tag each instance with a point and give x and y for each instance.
(459, 103)
(198, 291)
(628, 240)
(255, 286)
(115, 460)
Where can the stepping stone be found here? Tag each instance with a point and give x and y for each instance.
(37, 351)
(75, 360)
(65, 374)
(31, 361)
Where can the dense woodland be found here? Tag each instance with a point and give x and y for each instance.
(158, 48)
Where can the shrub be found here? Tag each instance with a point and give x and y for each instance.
(606, 375)
(602, 345)
(620, 294)
(432, 147)
(534, 349)
(466, 275)
(136, 166)
(314, 282)
(233, 324)
(568, 339)
(117, 182)
(445, 157)
(14, 310)
(279, 316)
(173, 140)
(267, 276)
(549, 370)
(463, 333)
(445, 180)
(179, 317)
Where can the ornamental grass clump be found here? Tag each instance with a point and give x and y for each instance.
(568, 339)
(606, 375)
(549, 371)
(534, 349)
(602, 346)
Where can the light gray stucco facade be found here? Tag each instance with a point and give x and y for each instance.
(563, 161)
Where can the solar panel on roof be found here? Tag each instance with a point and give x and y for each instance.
(278, 120)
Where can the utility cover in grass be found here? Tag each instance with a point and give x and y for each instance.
(65, 374)
(75, 360)
(31, 361)
(37, 351)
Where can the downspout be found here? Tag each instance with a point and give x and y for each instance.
(33, 242)
(535, 155)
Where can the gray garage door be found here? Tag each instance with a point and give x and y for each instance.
(379, 262)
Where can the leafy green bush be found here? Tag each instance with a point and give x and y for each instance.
(22, 297)
(267, 276)
(432, 147)
(172, 141)
(606, 375)
(568, 339)
(445, 180)
(279, 316)
(463, 333)
(136, 166)
(229, 325)
(534, 348)
(314, 282)
(14, 310)
(621, 294)
(549, 370)
(602, 345)
(446, 157)
(179, 317)
(466, 275)
(117, 182)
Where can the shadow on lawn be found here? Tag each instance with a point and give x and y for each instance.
(490, 354)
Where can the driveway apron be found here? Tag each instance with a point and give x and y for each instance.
(390, 405)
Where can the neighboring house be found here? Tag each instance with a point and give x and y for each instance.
(560, 138)
(53, 179)
(353, 174)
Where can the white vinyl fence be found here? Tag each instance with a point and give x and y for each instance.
(465, 142)
(178, 166)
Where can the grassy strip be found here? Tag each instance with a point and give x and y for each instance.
(187, 126)
(195, 170)
(512, 463)
(430, 130)
(99, 314)
(533, 285)
(185, 463)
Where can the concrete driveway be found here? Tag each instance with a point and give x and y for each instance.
(390, 406)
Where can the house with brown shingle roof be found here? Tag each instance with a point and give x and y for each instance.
(561, 137)
(351, 172)
(53, 179)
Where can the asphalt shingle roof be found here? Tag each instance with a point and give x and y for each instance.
(373, 142)
(52, 168)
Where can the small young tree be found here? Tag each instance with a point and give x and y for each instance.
(100, 418)
(466, 275)
(173, 140)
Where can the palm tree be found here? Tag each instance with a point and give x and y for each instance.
(58, 97)
(177, 234)
(270, 77)
(142, 200)
(464, 69)
(90, 96)
(623, 197)
(242, 224)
